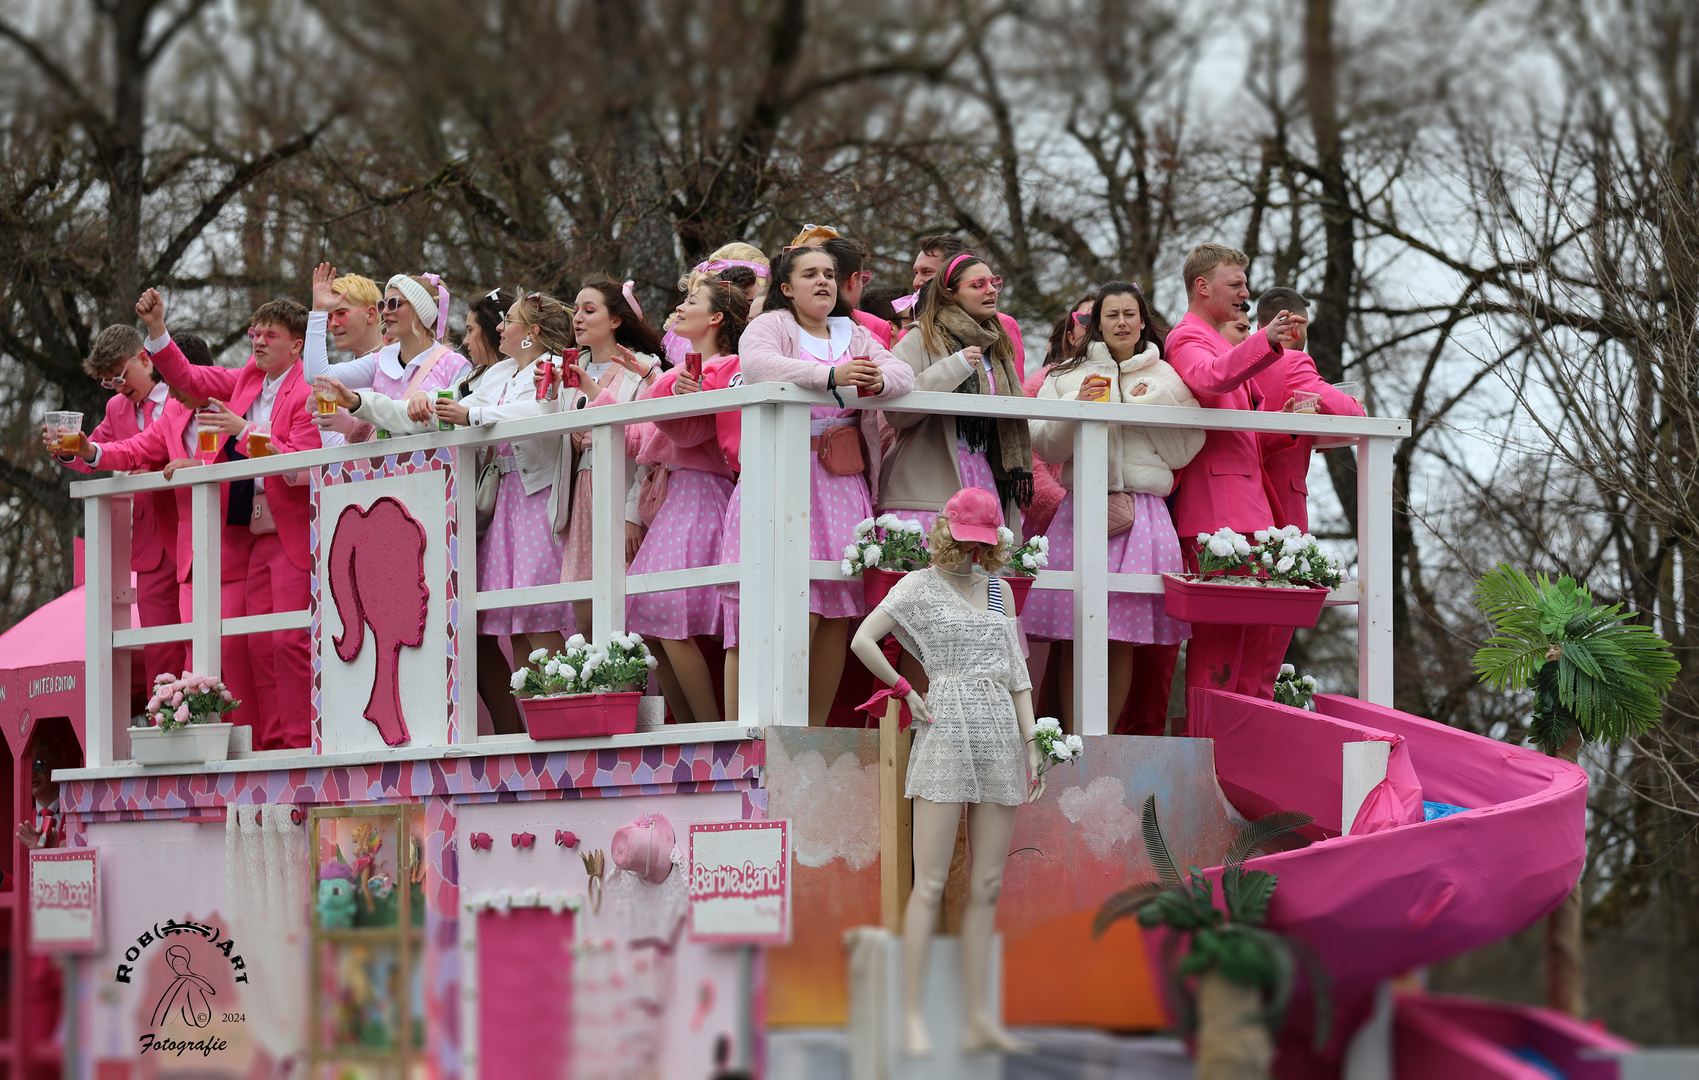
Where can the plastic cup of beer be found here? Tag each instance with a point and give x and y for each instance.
(327, 400)
(207, 440)
(1350, 389)
(1306, 403)
(69, 426)
(259, 444)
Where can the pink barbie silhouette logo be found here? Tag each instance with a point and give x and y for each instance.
(377, 579)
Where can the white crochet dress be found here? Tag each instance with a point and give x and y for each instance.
(972, 750)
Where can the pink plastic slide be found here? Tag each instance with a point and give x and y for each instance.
(1398, 892)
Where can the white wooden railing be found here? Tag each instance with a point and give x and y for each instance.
(776, 568)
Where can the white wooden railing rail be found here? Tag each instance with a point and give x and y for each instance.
(776, 569)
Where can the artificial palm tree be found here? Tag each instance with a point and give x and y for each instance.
(1596, 677)
(1235, 977)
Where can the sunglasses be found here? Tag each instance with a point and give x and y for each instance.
(984, 284)
(38, 767)
(1082, 318)
(113, 383)
(263, 337)
(389, 305)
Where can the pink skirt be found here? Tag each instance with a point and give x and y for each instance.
(575, 562)
(686, 534)
(519, 550)
(976, 473)
(1149, 547)
(836, 505)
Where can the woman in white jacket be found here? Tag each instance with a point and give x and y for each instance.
(1120, 361)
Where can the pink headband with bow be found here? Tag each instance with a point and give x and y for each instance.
(903, 303)
(955, 262)
(715, 266)
(631, 298)
(442, 304)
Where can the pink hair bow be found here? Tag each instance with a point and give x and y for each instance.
(631, 298)
(714, 267)
(900, 693)
(903, 303)
(442, 304)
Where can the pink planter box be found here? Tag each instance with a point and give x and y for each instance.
(1019, 586)
(576, 716)
(875, 583)
(1242, 605)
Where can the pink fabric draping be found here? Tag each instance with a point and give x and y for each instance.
(1463, 1038)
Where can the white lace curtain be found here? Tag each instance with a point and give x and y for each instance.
(266, 881)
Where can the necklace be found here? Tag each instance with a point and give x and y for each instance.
(955, 573)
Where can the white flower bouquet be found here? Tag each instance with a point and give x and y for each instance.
(1028, 559)
(1292, 689)
(886, 543)
(188, 699)
(585, 668)
(1285, 557)
(1054, 747)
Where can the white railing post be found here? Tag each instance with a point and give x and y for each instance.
(102, 703)
(607, 506)
(756, 588)
(207, 576)
(791, 568)
(1374, 570)
(465, 511)
(1091, 565)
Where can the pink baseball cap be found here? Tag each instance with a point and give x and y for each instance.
(974, 515)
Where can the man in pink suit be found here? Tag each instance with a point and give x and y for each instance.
(171, 442)
(1286, 458)
(120, 363)
(1223, 485)
(263, 402)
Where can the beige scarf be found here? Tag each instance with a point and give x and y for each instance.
(1005, 441)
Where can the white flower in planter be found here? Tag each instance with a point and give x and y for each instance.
(1288, 669)
(863, 527)
(518, 680)
(1076, 745)
(576, 641)
(847, 567)
(1219, 546)
(872, 554)
(1285, 564)
(539, 655)
(1004, 536)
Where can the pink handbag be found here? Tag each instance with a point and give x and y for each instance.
(645, 847)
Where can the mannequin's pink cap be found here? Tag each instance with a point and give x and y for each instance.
(974, 516)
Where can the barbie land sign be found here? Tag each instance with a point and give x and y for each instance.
(740, 887)
(64, 901)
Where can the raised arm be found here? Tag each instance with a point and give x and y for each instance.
(1192, 354)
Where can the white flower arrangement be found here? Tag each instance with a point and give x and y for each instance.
(188, 699)
(1286, 557)
(1054, 747)
(888, 543)
(1028, 559)
(585, 668)
(1292, 689)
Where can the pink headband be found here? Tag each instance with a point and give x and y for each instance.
(631, 298)
(442, 304)
(714, 267)
(948, 270)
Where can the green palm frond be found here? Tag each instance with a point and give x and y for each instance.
(1156, 846)
(1123, 904)
(1591, 668)
(1254, 835)
(1248, 893)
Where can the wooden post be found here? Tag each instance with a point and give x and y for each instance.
(896, 821)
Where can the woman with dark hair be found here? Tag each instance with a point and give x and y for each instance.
(625, 358)
(1119, 360)
(958, 346)
(801, 339)
(1068, 335)
(684, 499)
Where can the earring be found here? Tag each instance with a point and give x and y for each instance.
(525, 343)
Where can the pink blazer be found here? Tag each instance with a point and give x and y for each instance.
(1286, 458)
(146, 545)
(686, 443)
(771, 351)
(292, 429)
(157, 446)
(1223, 485)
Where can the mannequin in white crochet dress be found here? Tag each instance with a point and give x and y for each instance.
(973, 746)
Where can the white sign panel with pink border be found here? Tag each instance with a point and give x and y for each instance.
(740, 883)
(64, 901)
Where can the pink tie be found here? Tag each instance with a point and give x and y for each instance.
(147, 413)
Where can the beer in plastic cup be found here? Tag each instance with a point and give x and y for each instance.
(259, 444)
(1306, 403)
(445, 395)
(208, 440)
(69, 426)
(327, 401)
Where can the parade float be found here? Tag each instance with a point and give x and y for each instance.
(414, 896)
